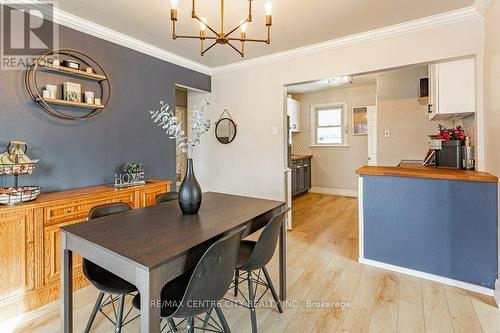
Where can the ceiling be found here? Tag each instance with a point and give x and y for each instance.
(296, 23)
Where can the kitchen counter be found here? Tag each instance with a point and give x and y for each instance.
(412, 170)
(301, 157)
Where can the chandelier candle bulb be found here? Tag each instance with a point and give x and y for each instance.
(203, 24)
(173, 14)
(268, 7)
(174, 4)
(244, 27)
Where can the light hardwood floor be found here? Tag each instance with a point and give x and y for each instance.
(322, 266)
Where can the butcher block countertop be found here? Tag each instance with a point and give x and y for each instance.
(427, 172)
(300, 157)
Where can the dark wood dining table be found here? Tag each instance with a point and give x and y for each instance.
(151, 246)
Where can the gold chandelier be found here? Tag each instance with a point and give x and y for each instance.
(223, 37)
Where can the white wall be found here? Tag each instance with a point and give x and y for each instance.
(492, 97)
(254, 163)
(334, 168)
(399, 112)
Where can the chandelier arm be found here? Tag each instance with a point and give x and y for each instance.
(241, 53)
(209, 27)
(237, 27)
(249, 40)
(196, 37)
(208, 48)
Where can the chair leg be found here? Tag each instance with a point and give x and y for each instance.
(207, 319)
(171, 324)
(94, 312)
(119, 315)
(222, 319)
(236, 282)
(190, 325)
(251, 302)
(273, 291)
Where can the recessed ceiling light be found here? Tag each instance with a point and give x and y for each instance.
(335, 81)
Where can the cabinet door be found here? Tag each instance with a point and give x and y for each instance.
(307, 175)
(296, 107)
(433, 91)
(301, 185)
(16, 253)
(372, 134)
(293, 110)
(456, 87)
(294, 180)
(148, 196)
(52, 254)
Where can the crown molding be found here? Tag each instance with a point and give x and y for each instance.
(482, 6)
(61, 17)
(80, 24)
(389, 31)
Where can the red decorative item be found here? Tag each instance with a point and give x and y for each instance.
(447, 134)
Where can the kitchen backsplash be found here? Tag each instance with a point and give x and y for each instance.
(301, 143)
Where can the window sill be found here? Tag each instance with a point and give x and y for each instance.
(329, 146)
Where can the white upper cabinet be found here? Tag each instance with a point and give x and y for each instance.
(293, 110)
(452, 89)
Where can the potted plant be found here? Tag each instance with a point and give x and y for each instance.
(190, 194)
(133, 173)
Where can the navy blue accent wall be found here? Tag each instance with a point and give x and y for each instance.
(86, 153)
(446, 228)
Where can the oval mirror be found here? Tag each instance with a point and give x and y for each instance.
(225, 130)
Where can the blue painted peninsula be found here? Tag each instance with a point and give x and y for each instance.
(439, 224)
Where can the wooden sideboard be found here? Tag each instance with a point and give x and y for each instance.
(29, 240)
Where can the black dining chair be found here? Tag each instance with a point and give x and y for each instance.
(168, 196)
(200, 290)
(105, 281)
(254, 256)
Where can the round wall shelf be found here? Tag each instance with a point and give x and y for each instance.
(59, 107)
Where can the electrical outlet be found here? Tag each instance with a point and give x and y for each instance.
(387, 134)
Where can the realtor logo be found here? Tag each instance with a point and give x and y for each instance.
(27, 31)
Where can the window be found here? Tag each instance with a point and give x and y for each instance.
(329, 125)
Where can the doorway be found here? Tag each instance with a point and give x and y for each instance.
(186, 100)
(329, 128)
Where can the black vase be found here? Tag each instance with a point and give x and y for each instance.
(190, 194)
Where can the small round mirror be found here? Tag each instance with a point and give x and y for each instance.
(225, 130)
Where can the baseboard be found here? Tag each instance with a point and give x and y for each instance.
(497, 292)
(334, 191)
(432, 277)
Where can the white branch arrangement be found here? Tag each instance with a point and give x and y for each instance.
(167, 120)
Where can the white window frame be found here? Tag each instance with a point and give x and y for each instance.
(314, 125)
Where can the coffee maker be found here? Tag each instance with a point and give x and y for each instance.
(453, 154)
